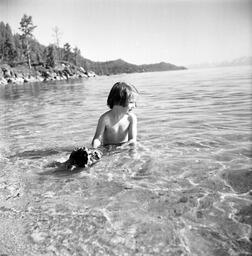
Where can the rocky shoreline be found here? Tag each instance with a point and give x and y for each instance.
(39, 73)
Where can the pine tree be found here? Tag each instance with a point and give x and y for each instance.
(27, 27)
(10, 52)
(18, 46)
(51, 56)
(77, 54)
(67, 52)
(2, 40)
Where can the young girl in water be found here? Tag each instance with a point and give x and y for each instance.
(118, 125)
(115, 127)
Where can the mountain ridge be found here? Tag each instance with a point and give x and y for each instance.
(119, 66)
(241, 61)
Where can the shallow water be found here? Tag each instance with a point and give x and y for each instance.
(184, 190)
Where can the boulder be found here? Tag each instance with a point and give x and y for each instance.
(10, 80)
(19, 80)
(3, 81)
(7, 73)
(91, 74)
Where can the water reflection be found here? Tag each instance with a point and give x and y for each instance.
(33, 90)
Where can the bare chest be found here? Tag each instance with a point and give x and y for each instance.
(117, 130)
(118, 126)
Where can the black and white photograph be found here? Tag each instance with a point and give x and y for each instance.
(125, 128)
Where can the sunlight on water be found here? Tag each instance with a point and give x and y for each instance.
(184, 190)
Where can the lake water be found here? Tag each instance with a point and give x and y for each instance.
(184, 190)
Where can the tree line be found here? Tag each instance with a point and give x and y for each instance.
(23, 48)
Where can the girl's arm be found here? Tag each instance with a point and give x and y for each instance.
(97, 140)
(132, 137)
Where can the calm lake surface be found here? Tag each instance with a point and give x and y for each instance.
(184, 190)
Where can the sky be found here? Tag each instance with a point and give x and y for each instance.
(180, 32)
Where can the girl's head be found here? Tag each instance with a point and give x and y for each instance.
(121, 94)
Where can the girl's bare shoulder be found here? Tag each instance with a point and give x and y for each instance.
(105, 116)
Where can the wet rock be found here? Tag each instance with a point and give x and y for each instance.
(22, 74)
(245, 215)
(199, 214)
(19, 80)
(178, 210)
(91, 74)
(7, 73)
(205, 242)
(3, 81)
(10, 80)
(239, 180)
(183, 199)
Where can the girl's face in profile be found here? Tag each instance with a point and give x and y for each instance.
(132, 102)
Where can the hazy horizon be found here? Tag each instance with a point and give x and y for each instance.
(141, 32)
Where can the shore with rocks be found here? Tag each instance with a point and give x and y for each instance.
(22, 74)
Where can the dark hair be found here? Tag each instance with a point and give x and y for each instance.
(79, 157)
(120, 94)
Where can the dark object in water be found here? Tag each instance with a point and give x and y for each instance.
(79, 158)
(83, 157)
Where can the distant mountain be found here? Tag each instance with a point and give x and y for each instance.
(237, 62)
(120, 66)
(162, 66)
(242, 61)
